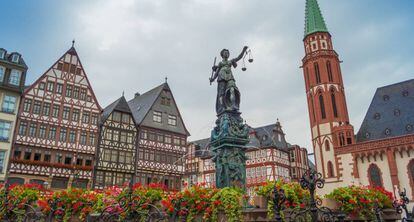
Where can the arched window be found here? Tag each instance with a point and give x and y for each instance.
(313, 109)
(327, 147)
(330, 169)
(329, 68)
(322, 106)
(317, 74)
(374, 176)
(335, 111)
(411, 175)
(307, 76)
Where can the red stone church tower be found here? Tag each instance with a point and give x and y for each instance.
(325, 93)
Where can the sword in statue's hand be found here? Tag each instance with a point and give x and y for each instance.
(212, 72)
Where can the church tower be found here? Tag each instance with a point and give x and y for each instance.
(325, 94)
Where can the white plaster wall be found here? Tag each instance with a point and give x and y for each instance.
(347, 165)
(403, 176)
(382, 164)
(6, 145)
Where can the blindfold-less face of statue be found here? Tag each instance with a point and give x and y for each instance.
(225, 54)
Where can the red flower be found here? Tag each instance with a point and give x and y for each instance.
(77, 205)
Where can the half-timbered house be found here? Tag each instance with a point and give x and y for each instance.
(57, 128)
(116, 153)
(160, 144)
(270, 158)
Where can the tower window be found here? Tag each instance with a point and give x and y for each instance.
(374, 175)
(327, 147)
(335, 111)
(330, 169)
(307, 76)
(322, 106)
(317, 74)
(329, 68)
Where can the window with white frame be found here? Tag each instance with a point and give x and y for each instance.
(15, 58)
(15, 77)
(172, 120)
(4, 130)
(9, 104)
(2, 73)
(2, 156)
(157, 117)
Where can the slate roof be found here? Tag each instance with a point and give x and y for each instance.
(202, 147)
(265, 136)
(8, 59)
(140, 105)
(118, 105)
(390, 114)
(314, 21)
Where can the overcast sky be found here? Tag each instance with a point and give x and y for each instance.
(132, 45)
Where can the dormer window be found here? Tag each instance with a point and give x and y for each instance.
(397, 112)
(15, 58)
(2, 53)
(405, 93)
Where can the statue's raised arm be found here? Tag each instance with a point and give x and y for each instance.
(235, 60)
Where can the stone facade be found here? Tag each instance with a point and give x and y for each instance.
(380, 154)
(12, 78)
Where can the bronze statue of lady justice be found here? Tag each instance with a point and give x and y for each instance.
(228, 95)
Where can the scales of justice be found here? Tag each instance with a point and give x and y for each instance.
(230, 135)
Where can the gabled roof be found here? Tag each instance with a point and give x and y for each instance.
(390, 113)
(71, 51)
(141, 105)
(118, 105)
(314, 21)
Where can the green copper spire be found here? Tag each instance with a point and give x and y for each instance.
(313, 18)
